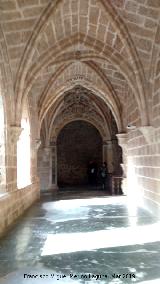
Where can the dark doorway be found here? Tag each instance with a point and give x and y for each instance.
(78, 143)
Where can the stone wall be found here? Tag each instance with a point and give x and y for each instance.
(144, 169)
(14, 201)
(143, 147)
(14, 204)
(78, 143)
(45, 168)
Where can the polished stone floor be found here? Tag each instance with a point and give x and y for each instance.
(93, 238)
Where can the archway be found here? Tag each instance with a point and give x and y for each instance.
(78, 143)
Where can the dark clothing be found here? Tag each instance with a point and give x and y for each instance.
(104, 176)
(92, 173)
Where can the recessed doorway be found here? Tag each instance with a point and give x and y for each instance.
(78, 143)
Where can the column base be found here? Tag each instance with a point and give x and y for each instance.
(54, 188)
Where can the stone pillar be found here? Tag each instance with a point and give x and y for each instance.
(122, 141)
(13, 134)
(54, 165)
(108, 154)
(47, 162)
(105, 151)
(44, 165)
(36, 148)
(48, 167)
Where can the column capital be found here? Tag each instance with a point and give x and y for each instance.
(37, 143)
(14, 133)
(47, 149)
(122, 140)
(53, 143)
(107, 143)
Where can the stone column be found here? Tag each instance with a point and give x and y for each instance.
(105, 151)
(44, 165)
(108, 154)
(54, 165)
(36, 148)
(122, 141)
(13, 134)
(47, 168)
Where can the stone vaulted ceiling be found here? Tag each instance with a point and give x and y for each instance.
(106, 47)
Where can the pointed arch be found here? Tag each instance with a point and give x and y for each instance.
(93, 88)
(56, 111)
(53, 57)
(110, 92)
(67, 121)
(123, 33)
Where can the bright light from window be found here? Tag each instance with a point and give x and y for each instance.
(24, 155)
(76, 209)
(66, 243)
(1, 115)
(135, 195)
(75, 203)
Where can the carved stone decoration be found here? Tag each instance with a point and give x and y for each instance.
(77, 79)
(14, 133)
(53, 143)
(78, 54)
(47, 151)
(76, 96)
(37, 144)
(78, 105)
(148, 133)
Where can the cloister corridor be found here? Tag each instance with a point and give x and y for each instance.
(80, 141)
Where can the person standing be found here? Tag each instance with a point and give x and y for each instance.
(92, 173)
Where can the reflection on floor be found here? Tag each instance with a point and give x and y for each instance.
(84, 240)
